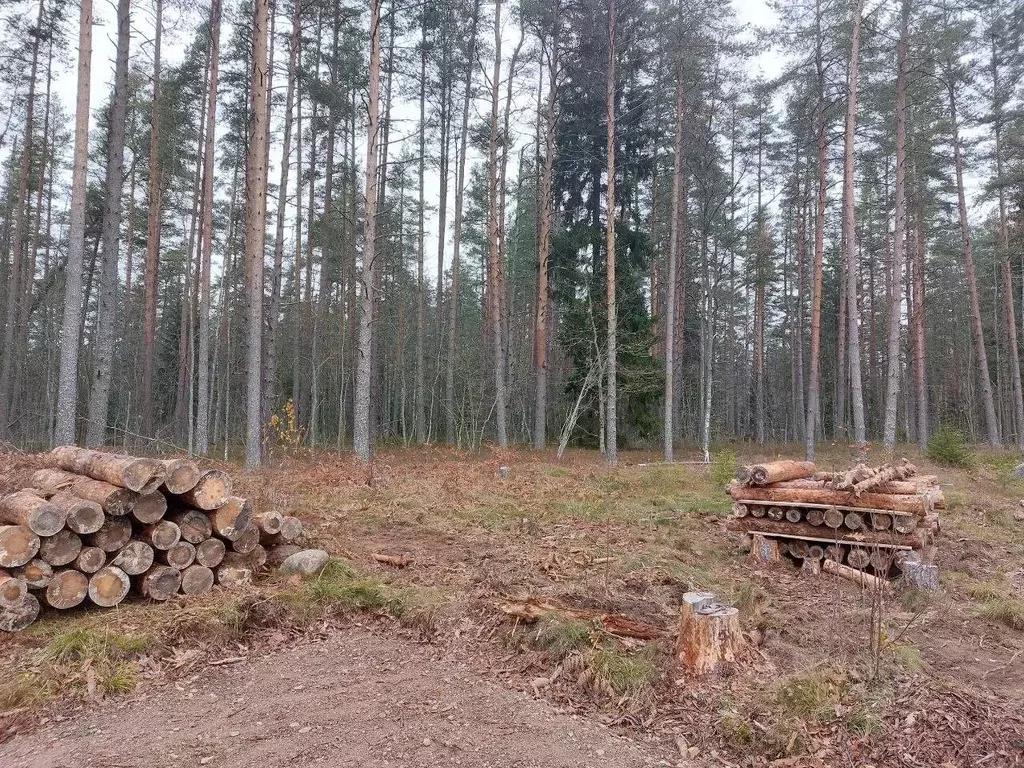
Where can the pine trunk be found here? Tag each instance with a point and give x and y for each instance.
(494, 243)
(611, 420)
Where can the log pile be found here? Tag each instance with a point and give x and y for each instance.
(95, 527)
(866, 519)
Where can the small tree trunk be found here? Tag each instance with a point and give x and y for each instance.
(611, 421)
(668, 430)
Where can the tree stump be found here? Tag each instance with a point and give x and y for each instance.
(27, 508)
(18, 545)
(917, 574)
(134, 558)
(149, 508)
(764, 551)
(61, 548)
(196, 579)
(181, 476)
(810, 567)
(210, 552)
(109, 586)
(709, 634)
(14, 618)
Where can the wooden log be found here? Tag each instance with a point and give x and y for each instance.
(739, 510)
(920, 538)
(210, 552)
(807, 484)
(709, 635)
(15, 618)
(66, 589)
(269, 523)
(124, 471)
(195, 526)
(83, 516)
(156, 482)
(904, 524)
(229, 575)
(852, 574)
(90, 559)
(210, 492)
(36, 573)
(248, 541)
(112, 498)
(196, 579)
(854, 521)
(859, 558)
(61, 548)
(180, 476)
(149, 507)
(778, 471)
(114, 534)
(757, 510)
(253, 560)
(793, 514)
(231, 518)
(815, 516)
(880, 521)
(291, 531)
(776, 513)
(12, 589)
(27, 508)
(810, 567)
(134, 558)
(160, 582)
(18, 545)
(815, 552)
(844, 481)
(881, 560)
(109, 586)
(258, 557)
(278, 554)
(835, 552)
(884, 474)
(180, 556)
(918, 504)
(833, 518)
(798, 548)
(764, 551)
(162, 535)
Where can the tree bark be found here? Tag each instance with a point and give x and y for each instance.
(611, 420)
(153, 227)
(668, 429)
(368, 280)
(106, 315)
(977, 330)
(67, 387)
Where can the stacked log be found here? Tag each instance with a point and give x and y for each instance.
(96, 527)
(863, 517)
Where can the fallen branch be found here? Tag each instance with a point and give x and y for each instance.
(852, 574)
(399, 561)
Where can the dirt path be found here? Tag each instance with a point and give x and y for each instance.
(357, 699)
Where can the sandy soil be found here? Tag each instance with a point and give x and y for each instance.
(359, 698)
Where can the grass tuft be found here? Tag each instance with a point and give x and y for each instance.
(625, 675)
(1005, 610)
(560, 636)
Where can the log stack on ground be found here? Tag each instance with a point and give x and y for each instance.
(865, 519)
(97, 527)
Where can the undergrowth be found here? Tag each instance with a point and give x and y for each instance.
(949, 447)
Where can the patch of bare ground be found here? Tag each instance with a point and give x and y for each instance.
(587, 541)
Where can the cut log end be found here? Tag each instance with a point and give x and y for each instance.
(90, 559)
(12, 590)
(109, 586)
(149, 508)
(194, 525)
(248, 541)
(180, 556)
(27, 508)
(36, 573)
(14, 618)
(231, 518)
(181, 476)
(67, 589)
(196, 579)
(61, 548)
(114, 534)
(210, 552)
(160, 582)
(134, 558)
(161, 535)
(210, 492)
(83, 516)
(269, 522)
(18, 545)
(233, 575)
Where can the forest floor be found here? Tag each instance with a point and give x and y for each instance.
(372, 664)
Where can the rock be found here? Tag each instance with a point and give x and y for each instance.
(1018, 471)
(305, 563)
(504, 472)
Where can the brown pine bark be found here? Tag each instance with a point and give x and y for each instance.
(668, 405)
(113, 499)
